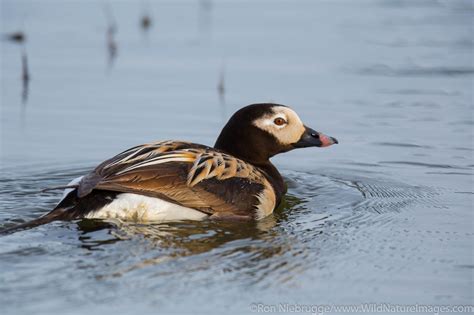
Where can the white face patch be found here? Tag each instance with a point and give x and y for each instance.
(288, 133)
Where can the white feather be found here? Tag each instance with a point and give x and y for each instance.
(66, 191)
(138, 208)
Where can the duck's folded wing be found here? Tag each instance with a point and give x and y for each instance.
(191, 175)
(127, 158)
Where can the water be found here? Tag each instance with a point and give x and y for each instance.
(383, 217)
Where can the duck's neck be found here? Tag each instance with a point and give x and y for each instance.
(274, 177)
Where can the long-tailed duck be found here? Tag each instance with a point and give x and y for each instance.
(175, 180)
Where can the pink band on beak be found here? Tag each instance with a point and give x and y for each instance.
(325, 140)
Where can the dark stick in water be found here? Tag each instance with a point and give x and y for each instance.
(18, 37)
(110, 36)
(145, 22)
(25, 76)
(221, 92)
(221, 84)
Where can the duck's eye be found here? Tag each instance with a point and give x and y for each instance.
(279, 121)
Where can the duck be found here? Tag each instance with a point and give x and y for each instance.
(177, 180)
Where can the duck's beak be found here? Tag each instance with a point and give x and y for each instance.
(312, 138)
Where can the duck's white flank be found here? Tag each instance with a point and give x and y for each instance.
(138, 208)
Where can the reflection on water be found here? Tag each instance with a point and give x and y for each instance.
(188, 238)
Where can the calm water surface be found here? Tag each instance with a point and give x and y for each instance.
(384, 217)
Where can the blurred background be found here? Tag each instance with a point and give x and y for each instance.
(385, 216)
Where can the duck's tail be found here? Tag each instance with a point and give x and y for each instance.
(71, 207)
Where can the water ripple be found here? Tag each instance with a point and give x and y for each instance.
(307, 231)
(433, 71)
(402, 145)
(428, 165)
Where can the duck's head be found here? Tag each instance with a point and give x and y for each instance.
(259, 131)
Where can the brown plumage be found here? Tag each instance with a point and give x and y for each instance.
(184, 173)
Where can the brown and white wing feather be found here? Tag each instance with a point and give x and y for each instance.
(187, 174)
(130, 157)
